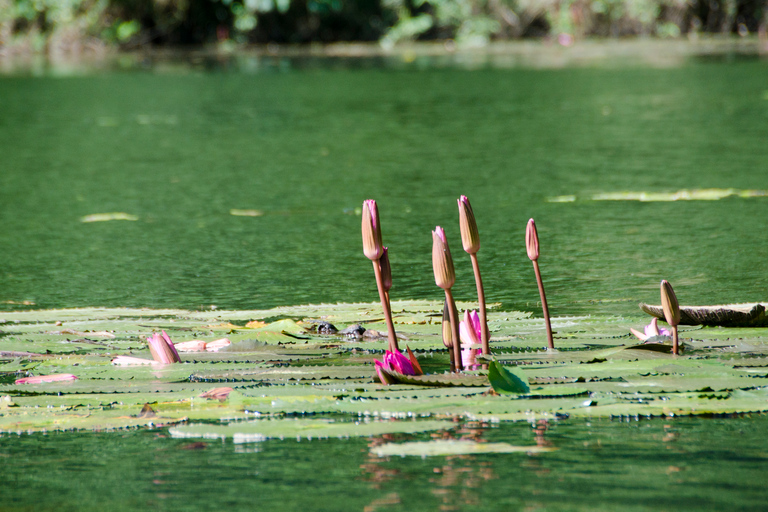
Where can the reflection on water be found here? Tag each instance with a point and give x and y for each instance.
(661, 464)
(300, 150)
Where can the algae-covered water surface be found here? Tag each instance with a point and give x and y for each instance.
(210, 202)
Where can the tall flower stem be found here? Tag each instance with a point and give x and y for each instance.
(481, 299)
(550, 340)
(384, 296)
(675, 341)
(455, 329)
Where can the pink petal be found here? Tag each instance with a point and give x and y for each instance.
(170, 344)
(191, 346)
(652, 329)
(46, 378)
(475, 318)
(400, 363)
(130, 361)
(215, 346)
(441, 233)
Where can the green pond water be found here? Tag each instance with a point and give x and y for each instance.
(181, 147)
(299, 147)
(666, 465)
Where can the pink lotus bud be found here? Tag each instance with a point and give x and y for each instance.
(532, 240)
(442, 263)
(470, 331)
(386, 270)
(470, 237)
(372, 246)
(447, 329)
(162, 349)
(669, 304)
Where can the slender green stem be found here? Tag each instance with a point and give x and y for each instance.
(675, 348)
(481, 300)
(550, 341)
(384, 296)
(455, 328)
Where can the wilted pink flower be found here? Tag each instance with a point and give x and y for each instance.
(470, 333)
(39, 379)
(216, 345)
(393, 362)
(132, 361)
(162, 349)
(651, 330)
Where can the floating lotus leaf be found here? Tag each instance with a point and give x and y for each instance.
(292, 370)
(442, 380)
(260, 430)
(441, 448)
(505, 380)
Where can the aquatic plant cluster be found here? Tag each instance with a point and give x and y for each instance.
(294, 361)
(463, 337)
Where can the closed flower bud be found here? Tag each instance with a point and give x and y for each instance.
(372, 246)
(532, 240)
(386, 270)
(447, 329)
(442, 263)
(669, 304)
(470, 238)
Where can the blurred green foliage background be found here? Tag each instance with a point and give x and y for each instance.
(52, 26)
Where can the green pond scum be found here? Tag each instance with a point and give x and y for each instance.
(206, 201)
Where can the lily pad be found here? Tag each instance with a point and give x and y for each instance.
(442, 448)
(260, 430)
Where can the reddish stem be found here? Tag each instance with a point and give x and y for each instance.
(675, 348)
(384, 297)
(455, 329)
(550, 341)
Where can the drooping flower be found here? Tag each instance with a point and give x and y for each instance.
(162, 349)
(393, 362)
(372, 245)
(442, 263)
(470, 237)
(470, 333)
(652, 330)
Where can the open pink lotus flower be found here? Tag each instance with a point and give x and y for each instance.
(393, 362)
(651, 331)
(470, 333)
